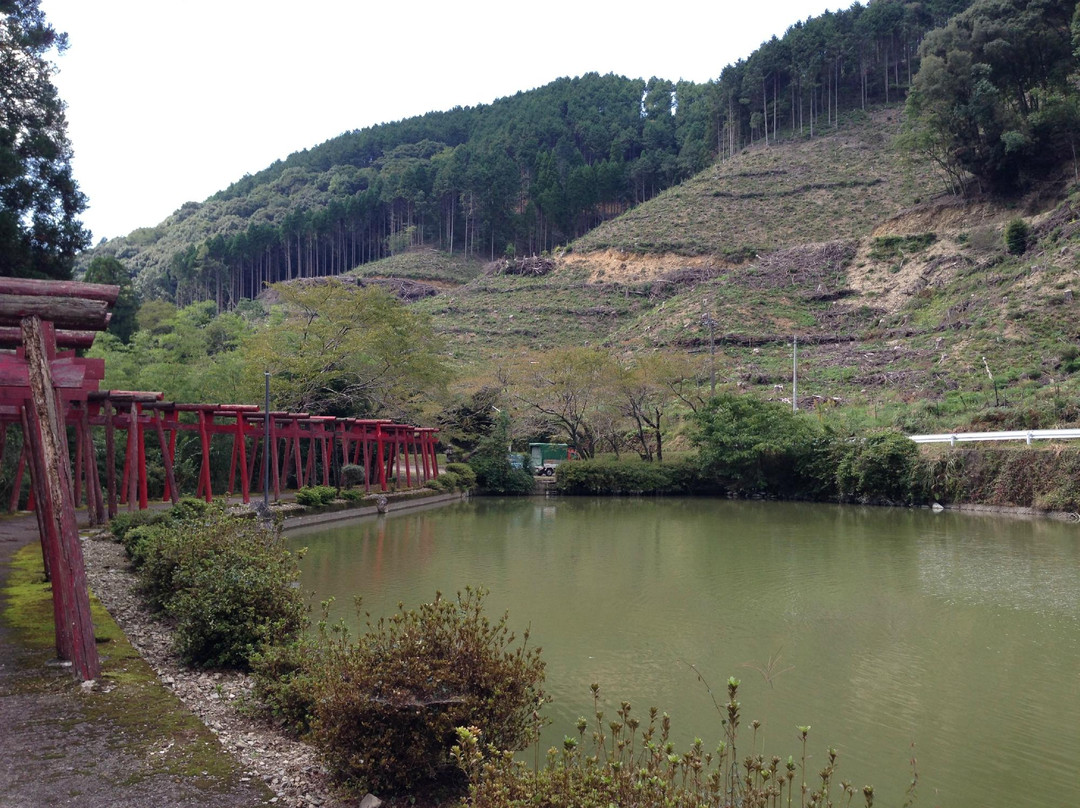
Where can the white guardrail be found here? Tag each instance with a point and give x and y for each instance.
(1024, 435)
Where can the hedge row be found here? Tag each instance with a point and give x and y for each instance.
(229, 584)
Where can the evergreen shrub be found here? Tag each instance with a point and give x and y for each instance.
(1017, 236)
(491, 464)
(283, 679)
(124, 521)
(878, 469)
(351, 475)
(495, 475)
(751, 447)
(139, 540)
(465, 475)
(386, 707)
(315, 495)
(228, 584)
(590, 477)
(447, 481)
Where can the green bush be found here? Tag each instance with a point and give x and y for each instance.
(124, 521)
(878, 469)
(228, 584)
(590, 477)
(352, 475)
(188, 508)
(446, 481)
(1017, 236)
(449, 481)
(139, 540)
(751, 447)
(491, 466)
(284, 686)
(315, 495)
(386, 708)
(466, 476)
(495, 475)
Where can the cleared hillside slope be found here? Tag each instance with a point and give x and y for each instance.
(896, 295)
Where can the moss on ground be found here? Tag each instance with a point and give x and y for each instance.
(143, 719)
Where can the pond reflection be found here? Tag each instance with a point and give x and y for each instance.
(880, 628)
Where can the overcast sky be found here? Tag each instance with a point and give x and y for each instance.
(173, 101)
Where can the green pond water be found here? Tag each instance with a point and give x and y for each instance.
(880, 628)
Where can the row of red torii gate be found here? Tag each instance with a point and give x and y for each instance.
(301, 449)
(53, 396)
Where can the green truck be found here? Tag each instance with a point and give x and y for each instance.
(546, 457)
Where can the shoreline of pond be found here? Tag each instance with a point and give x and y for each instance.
(315, 517)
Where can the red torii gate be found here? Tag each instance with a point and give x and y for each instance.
(45, 390)
(302, 447)
(38, 384)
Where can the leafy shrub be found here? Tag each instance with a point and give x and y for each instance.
(449, 480)
(386, 707)
(124, 521)
(495, 475)
(878, 469)
(315, 495)
(491, 466)
(1017, 236)
(188, 508)
(620, 477)
(752, 447)
(185, 508)
(446, 481)
(466, 476)
(282, 674)
(352, 475)
(139, 541)
(228, 584)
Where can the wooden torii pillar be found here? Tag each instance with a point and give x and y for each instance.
(38, 308)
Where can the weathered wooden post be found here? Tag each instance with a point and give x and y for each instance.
(55, 498)
(32, 378)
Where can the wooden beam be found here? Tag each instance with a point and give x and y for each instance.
(63, 312)
(70, 591)
(39, 288)
(11, 337)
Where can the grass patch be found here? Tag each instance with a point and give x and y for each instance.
(886, 247)
(423, 264)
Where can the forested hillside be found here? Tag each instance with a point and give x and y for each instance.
(526, 173)
(929, 275)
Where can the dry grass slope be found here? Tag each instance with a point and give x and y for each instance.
(895, 294)
(838, 185)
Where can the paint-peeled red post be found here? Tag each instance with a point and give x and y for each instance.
(58, 513)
